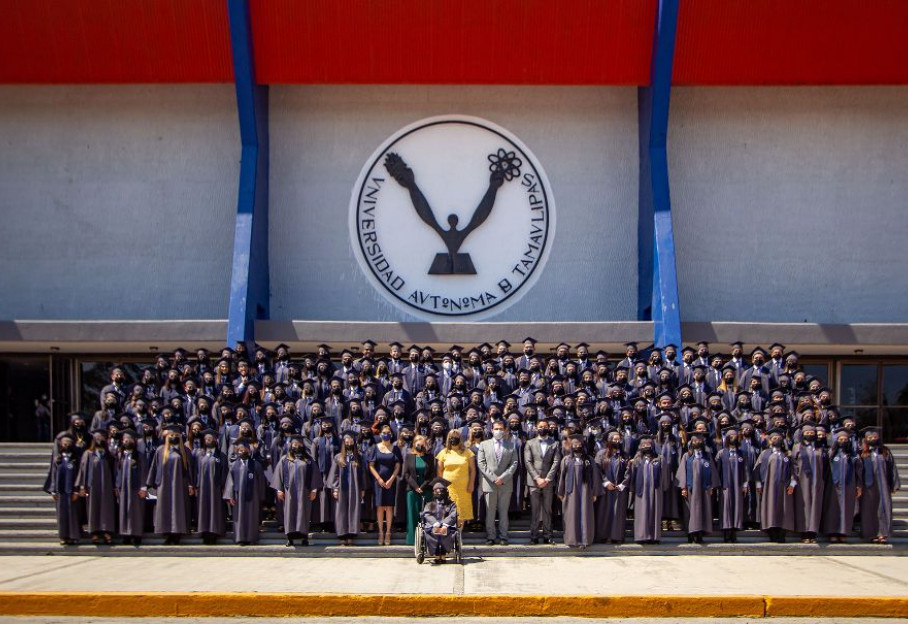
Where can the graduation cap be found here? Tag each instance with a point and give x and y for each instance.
(869, 430)
(666, 419)
(429, 348)
(503, 343)
(173, 428)
(776, 345)
(65, 434)
(98, 430)
(325, 347)
(447, 356)
(758, 350)
(668, 394)
(792, 355)
(776, 431)
(628, 345)
(530, 339)
(440, 483)
(413, 348)
(703, 343)
(582, 344)
(399, 375)
(737, 343)
(396, 344)
(128, 432)
(405, 426)
(688, 349)
(346, 351)
(369, 344)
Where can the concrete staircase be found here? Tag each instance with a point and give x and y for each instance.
(28, 526)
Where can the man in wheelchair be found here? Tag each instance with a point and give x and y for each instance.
(439, 522)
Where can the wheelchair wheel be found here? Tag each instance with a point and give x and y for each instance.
(458, 548)
(419, 547)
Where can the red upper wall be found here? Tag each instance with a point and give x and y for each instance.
(455, 41)
(790, 42)
(85, 41)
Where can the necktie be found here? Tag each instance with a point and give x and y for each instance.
(498, 452)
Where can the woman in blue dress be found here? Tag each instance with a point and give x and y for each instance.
(385, 464)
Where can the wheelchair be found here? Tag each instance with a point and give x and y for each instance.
(420, 547)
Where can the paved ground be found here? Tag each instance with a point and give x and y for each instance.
(691, 575)
(460, 620)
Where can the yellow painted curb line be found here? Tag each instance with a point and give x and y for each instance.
(206, 604)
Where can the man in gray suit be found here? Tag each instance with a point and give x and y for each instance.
(542, 457)
(497, 461)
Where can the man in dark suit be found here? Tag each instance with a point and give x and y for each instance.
(542, 456)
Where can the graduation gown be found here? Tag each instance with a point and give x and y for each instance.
(881, 479)
(246, 486)
(611, 506)
(348, 482)
(96, 475)
(697, 475)
(296, 478)
(811, 471)
(751, 452)
(171, 479)
(846, 475)
(324, 450)
(645, 481)
(579, 482)
(671, 492)
(132, 471)
(776, 505)
(733, 475)
(210, 476)
(518, 492)
(61, 482)
(444, 513)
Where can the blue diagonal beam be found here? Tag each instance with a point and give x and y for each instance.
(657, 297)
(249, 287)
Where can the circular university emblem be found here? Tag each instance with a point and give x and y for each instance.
(452, 217)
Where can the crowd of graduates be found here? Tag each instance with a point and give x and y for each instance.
(575, 440)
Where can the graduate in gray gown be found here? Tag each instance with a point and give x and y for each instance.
(611, 506)
(843, 489)
(776, 483)
(346, 481)
(697, 478)
(211, 471)
(668, 447)
(733, 480)
(61, 485)
(579, 485)
(131, 474)
(439, 521)
(171, 475)
(881, 481)
(244, 491)
(645, 481)
(297, 481)
(96, 484)
(811, 469)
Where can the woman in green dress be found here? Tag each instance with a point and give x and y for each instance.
(419, 472)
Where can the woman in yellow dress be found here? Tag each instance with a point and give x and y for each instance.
(457, 465)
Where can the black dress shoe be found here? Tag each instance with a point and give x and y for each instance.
(490, 542)
(534, 541)
(549, 540)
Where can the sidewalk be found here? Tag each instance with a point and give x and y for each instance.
(690, 586)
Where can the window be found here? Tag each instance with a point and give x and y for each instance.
(876, 394)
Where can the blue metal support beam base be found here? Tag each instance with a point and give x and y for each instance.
(249, 286)
(657, 297)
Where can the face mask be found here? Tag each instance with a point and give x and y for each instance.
(776, 443)
(873, 442)
(385, 437)
(287, 428)
(349, 445)
(646, 450)
(455, 440)
(407, 437)
(211, 443)
(439, 495)
(542, 433)
(498, 435)
(421, 448)
(576, 450)
(446, 366)
(128, 444)
(514, 426)
(173, 439)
